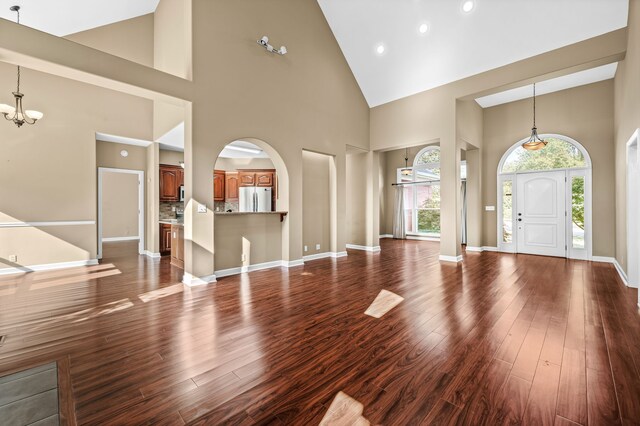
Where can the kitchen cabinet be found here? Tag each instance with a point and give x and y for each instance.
(231, 187)
(246, 178)
(177, 246)
(218, 185)
(264, 179)
(165, 239)
(261, 178)
(171, 178)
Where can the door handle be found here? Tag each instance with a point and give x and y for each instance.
(519, 214)
(519, 220)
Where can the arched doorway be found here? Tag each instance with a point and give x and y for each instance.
(251, 201)
(544, 199)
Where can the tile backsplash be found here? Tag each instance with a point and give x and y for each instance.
(222, 206)
(166, 209)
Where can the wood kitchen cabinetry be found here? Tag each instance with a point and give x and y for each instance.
(261, 178)
(165, 239)
(219, 185)
(231, 187)
(171, 179)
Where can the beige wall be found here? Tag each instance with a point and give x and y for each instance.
(316, 202)
(627, 120)
(108, 155)
(53, 164)
(584, 114)
(258, 237)
(119, 205)
(131, 39)
(356, 197)
(172, 158)
(172, 54)
(311, 101)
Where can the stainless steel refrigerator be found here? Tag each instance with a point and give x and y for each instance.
(255, 199)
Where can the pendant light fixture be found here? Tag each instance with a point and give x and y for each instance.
(406, 171)
(17, 114)
(534, 143)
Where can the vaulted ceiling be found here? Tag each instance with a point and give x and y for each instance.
(456, 44)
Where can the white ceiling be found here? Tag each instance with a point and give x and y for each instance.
(457, 45)
(64, 17)
(174, 140)
(593, 75)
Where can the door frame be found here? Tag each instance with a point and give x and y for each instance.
(586, 172)
(141, 214)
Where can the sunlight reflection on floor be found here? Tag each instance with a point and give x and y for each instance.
(161, 292)
(384, 302)
(344, 410)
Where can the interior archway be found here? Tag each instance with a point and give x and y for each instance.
(251, 240)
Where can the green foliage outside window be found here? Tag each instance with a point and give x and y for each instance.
(558, 154)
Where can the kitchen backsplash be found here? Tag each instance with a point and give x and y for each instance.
(166, 209)
(222, 206)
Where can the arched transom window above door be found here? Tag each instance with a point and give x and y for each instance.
(560, 153)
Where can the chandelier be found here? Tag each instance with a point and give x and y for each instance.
(534, 143)
(17, 114)
(406, 171)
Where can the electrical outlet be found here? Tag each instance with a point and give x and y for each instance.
(317, 246)
(173, 208)
(13, 258)
(306, 248)
(243, 257)
(202, 208)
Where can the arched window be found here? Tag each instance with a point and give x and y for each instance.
(428, 156)
(559, 153)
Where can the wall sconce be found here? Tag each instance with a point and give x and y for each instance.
(264, 42)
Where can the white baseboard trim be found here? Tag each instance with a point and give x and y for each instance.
(370, 249)
(248, 268)
(192, 281)
(47, 267)
(454, 259)
(152, 254)
(614, 261)
(113, 239)
(317, 256)
(481, 249)
(386, 236)
(292, 263)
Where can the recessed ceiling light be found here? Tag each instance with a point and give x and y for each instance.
(467, 6)
(423, 28)
(380, 49)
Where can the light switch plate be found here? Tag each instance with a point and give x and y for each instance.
(490, 208)
(202, 208)
(306, 248)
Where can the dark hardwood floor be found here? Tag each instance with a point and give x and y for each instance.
(500, 339)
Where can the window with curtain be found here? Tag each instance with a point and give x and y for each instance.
(422, 201)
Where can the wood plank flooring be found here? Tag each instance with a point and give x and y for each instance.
(499, 339)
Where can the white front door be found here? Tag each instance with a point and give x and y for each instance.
(541, 213)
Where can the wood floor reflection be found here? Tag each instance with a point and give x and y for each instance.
(498, 339)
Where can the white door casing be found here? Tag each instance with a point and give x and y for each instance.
(541, 213)
(141, 202)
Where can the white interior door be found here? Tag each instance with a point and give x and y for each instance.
(541, 213)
